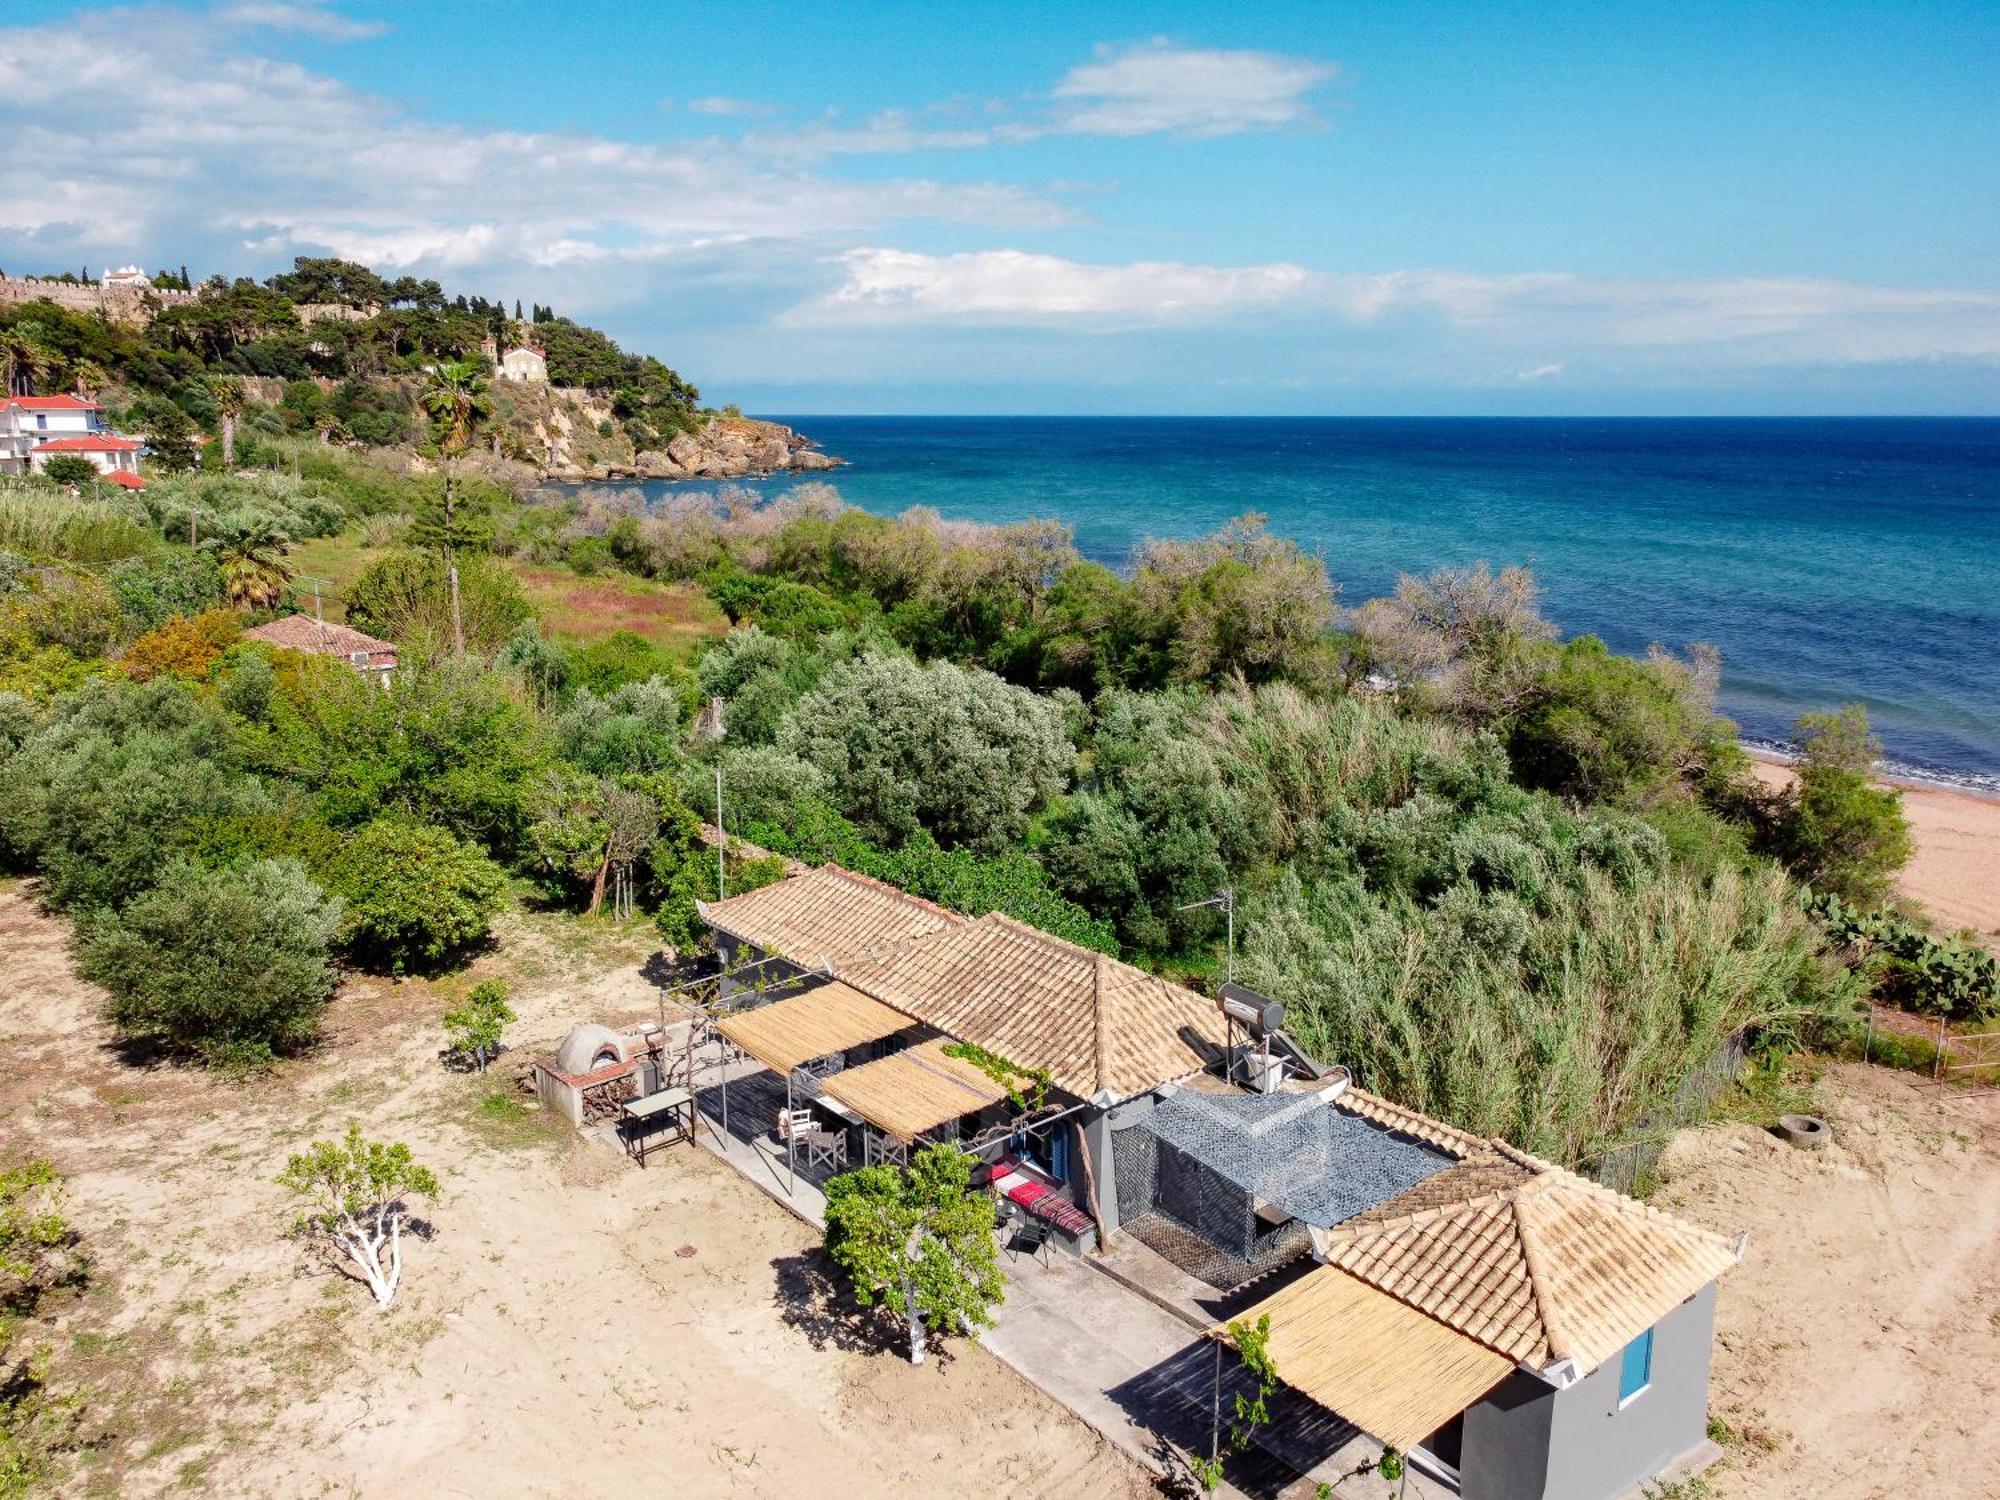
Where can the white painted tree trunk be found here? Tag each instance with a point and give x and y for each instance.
(916, 1321)
(364, 1246)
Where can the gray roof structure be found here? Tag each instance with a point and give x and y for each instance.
(1298, 1152)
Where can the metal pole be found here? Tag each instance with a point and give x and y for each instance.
(1215, 1407)
(1229, 910)
(1937, 1063)
(791, 1146)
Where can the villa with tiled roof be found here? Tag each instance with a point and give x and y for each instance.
(1521, 1332)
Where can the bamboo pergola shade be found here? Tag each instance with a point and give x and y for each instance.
(1387, 1368)
(908, 1093)
(830, 1018)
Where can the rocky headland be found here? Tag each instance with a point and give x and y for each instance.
(721, 448)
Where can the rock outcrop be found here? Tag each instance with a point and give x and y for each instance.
(731, 448)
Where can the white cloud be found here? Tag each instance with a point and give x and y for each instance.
(1157, 89)
(1162, 89)
(1011, 286)
(1755, 321)
(171, 136)
(312, 20)
(719, 104)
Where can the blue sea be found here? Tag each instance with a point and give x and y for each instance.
(1831, 560)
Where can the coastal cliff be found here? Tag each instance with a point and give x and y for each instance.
(727, 448)
(570, 433)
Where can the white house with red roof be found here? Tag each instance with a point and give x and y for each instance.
(35, 429)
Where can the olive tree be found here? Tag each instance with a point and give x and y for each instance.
(356, 1207)
(415, 894)
(229, 966)
(922, 1237)
(907, 746)
(472, 1030)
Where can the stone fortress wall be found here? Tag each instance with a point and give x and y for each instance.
(121, 304)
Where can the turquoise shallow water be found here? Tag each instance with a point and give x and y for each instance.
(1830, 560)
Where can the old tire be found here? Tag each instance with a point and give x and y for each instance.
(1808, 1131)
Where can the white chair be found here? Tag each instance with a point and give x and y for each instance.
(794, 1123)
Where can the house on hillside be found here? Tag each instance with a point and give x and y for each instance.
(27, 422)
(365, 653)
(1520, 1332)
(525, 364)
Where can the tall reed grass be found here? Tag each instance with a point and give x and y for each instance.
(1558, 1030)
(44, 524)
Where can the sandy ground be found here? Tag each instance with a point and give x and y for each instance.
(575, 1326)
(1858, 1344)
(1955, 871)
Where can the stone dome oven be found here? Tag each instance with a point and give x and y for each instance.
(589, 1047)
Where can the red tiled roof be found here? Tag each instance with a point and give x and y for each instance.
(96, 442)
(53, 403)
(126, 478)
(302, 633)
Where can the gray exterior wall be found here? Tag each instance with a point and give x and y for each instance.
(1528, 1441)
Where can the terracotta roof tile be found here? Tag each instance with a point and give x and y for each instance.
(96, 442)
(1096, 1024)
(1542, 1267)
(303, 633)
(825, 915)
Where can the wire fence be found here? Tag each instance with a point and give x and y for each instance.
(1622, 1166)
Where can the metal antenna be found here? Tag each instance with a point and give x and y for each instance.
(1226, 899)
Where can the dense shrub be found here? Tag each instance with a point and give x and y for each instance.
(120, 779)
(227, 966)
(1837, 830)
(184, 647)
(172, 583)
(1954, 977)
(453, 745)
(413, 895)
(903, 747)
(635, 729)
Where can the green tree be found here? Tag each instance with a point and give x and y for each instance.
(405, 597)
(472, 1030)
(169, 434)
(905, 747)
(1837, 830)
(356, 1194)
(229, 966)
(413, 895)
(922, 1237)
(70, 469)
(455, 400)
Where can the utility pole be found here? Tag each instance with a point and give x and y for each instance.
(721, 842)
(192, 513)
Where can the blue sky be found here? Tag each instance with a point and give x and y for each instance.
(1339, 207)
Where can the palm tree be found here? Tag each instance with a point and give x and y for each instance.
(255, 573)
(89, 377)
(25, 358)
(227, 394)
(455, 400)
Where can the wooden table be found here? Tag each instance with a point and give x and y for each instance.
(670, 1109)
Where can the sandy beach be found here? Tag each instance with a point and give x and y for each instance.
(1955, 872)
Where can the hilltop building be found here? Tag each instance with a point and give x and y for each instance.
(525, 364)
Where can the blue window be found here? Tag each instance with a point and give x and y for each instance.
(1635, 1367)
